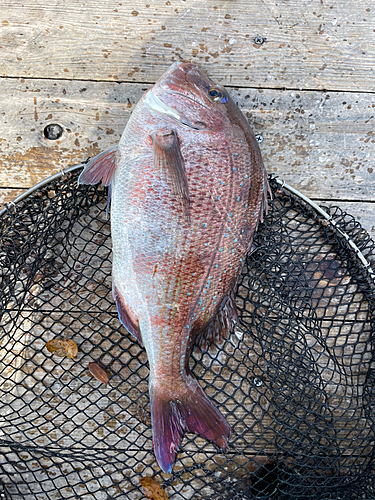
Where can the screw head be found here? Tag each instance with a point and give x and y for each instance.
(259, 138)
(259, 40)
(53, 131)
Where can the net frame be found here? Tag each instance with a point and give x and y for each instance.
(272, 478)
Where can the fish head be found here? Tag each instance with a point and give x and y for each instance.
(187, 95)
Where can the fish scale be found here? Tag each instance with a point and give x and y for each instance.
(188, 188)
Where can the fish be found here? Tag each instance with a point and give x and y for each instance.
(187, 188)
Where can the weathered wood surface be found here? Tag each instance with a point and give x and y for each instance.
(321, 143)
(308, 90)
(8, 195)
(50, 401)
(67, 475)
(69, 294)
(310, 45)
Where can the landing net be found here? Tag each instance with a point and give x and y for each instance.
(295, 380)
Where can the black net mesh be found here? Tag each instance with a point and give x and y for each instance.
(295, 380)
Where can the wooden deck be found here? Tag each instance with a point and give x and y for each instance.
(308, 89)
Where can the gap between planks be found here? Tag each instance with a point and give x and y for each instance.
(248, 87)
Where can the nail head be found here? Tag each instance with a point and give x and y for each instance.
(53, 131)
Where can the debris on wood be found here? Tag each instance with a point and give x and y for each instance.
(143, 415)
(99, 373)
(152, 489)
(63, 347)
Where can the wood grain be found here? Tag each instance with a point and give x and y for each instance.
(256, 414)
(84, 65)
(320, 143)
(69, 295)
(8, 195)
(314, 45)
(54, 402)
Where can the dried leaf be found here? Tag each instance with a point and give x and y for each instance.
(63, 347)
(99, 373)
(153, 489)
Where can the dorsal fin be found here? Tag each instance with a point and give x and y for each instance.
(168, 157)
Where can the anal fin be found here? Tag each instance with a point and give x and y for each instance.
(128, 319)
(221, 324)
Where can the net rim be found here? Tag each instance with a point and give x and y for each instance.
(40, 185)
(282, 184)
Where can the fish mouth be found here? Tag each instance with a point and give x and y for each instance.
(156, 104)
(177, 77)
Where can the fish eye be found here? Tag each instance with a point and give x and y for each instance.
(217, 95)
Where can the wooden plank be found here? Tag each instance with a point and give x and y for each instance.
(8, 195)
(320, 143)
(321, 46)
(62, 302)
(92, 116)
(51, 401)
(202, 475)
(198, 473)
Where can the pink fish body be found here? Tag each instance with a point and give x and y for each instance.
(188, 189)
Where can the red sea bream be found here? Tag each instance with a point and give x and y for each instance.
(188, 189)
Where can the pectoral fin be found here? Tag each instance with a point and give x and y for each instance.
(101, 168)
(264, 205)
(168, 157)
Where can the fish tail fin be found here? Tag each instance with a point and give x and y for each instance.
(190, 411)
